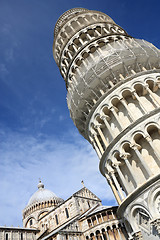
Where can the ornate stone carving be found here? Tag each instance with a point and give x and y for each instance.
(138, 236)
(156, 224)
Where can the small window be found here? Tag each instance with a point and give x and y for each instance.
(89, 205)
(67, 214)
(21, 236)
(56, 219)
(30, 222)
(6, 236)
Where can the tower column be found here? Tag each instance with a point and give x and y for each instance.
(96, 148)
(108, 237)
(102, 135)
(113, 109)
(154, 97)
(103, 117)
(117, 185)
(119, 233)
(113, 188)
(124, 157)
(98, 143)
(143, 163)
(157, 154)
(125, 185)
(123, 101)
(140, 101)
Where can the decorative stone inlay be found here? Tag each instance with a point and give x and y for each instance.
(156, 224)
(138, 236)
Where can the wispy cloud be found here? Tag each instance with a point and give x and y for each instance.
(60, 164)
(3, 70)
(9, 54)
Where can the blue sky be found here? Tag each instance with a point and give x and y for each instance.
(37, 136)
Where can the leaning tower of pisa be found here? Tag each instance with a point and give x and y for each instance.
(113, 95)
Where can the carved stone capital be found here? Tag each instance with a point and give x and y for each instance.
(138, 236)
(135, 146)
(116, 163)
(125, 155)
(96, 126)
(156, 224)
(105, 117)
(113, 108)
(148, 138)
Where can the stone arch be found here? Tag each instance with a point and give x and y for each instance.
(92, 48)
(77, 42)
(127, 91)
(104, 233)
(74, 24)
(138, 164)
(150, 127)
(123, 113)
(78, 61)
(114, 99)
(63, 34)
(109, 231)
(92, 236)
(137, 135)
(27, 224)
(139, 216)
(105, 109)
(68, 29)
(149, 98)
(88, 17)
(151, 83)
(98, 118)
(154, 201)
(101, 43)
(148, 144)
(81, 20)
(124, 147)
(133, 103)
(98, 235)
(112, 118)
(138, 86)
(94, 16)
(115, 154)
(85, 54)
(41, 213)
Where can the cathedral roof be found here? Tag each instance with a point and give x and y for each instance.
(100, 209)
(43, 195)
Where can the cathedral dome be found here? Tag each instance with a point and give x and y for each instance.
(43, 195)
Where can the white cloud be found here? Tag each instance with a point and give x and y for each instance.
(60, 164)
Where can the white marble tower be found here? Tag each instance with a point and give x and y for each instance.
(113, 85)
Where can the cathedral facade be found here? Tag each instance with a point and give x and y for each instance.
(80, 217)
